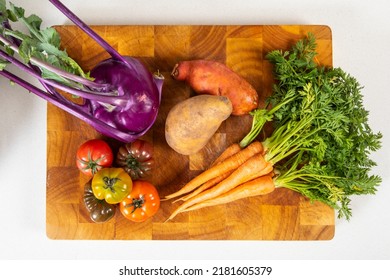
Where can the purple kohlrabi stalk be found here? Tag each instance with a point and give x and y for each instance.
(123, 100)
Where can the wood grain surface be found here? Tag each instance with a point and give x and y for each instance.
(281, 215)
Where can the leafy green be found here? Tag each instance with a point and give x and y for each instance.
(40, 47)
(322, 141)
(3, 64)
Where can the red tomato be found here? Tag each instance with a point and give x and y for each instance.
(93, 155)
(142, 203)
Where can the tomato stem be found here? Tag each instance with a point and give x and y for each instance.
(91, 164)
(132, 162)
(137, 203)
(110, 182)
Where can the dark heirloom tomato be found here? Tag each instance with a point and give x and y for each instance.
(142, 203)
(93, 155)
(136, 158)
(99, 210)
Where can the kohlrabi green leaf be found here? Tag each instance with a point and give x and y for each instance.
(42, 44)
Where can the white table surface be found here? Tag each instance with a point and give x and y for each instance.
(361, 46)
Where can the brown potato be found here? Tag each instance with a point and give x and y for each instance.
(191, 123)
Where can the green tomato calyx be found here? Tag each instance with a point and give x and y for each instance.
(109, 183)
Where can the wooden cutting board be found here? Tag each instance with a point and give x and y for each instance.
(281, 215)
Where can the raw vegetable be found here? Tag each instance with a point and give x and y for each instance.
(260, 186)
(136, 158)
(333, 163)
(93, 155)
(111, 184)
(228, 152)
(99, 210)
(210, 183)
(191, 123)
(321, 141)
(253, 168)
(229, 164)
(120, 97)
(142, 203)
(212, 77)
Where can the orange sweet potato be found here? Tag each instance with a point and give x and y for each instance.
(211, 77)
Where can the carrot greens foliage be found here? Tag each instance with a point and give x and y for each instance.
(321, 141)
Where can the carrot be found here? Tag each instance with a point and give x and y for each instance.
(228, 152)
(254, 167)
(228, 164)
(210, 183)
(259, 186)
(206, 186)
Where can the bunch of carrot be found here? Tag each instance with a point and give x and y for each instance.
(319, 147)
(237, 173)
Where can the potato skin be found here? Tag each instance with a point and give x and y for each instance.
(212, 77)
(191, 123)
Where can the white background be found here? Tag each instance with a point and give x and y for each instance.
(361, 46)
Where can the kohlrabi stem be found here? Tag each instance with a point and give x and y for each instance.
(74, 109)
(101, 97)
(60, 72)
(76, 20)
(33, 89)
